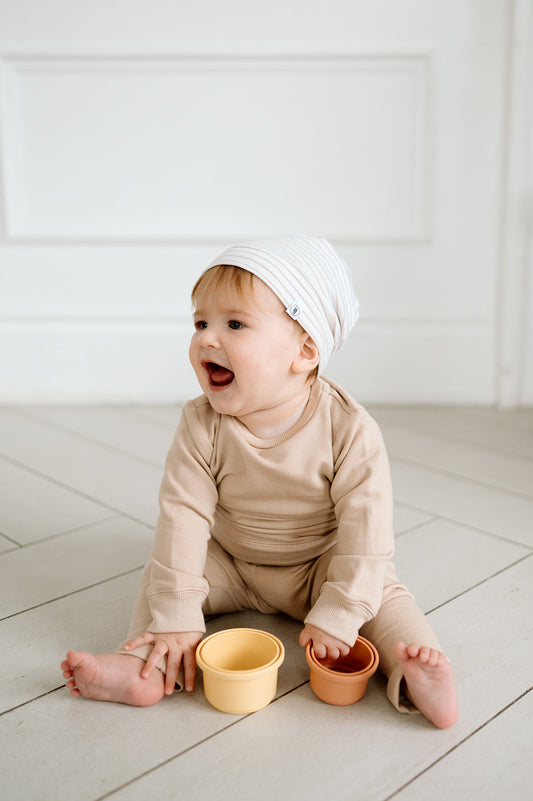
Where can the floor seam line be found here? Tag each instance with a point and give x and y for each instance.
(73, 592)
(479, 583)
(459, 744)
(192, 747)
(86, 438)
(47, 477)
(456, 476)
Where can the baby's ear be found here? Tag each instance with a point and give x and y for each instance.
(307, 357)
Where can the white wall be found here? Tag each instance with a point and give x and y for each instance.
(515, 288)
(524, 213)
(140, 139)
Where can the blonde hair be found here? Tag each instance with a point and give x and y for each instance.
(224, 279)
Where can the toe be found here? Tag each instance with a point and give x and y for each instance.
(424, 654)
(76, 658)
(400, 652)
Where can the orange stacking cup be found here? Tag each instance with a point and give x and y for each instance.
(343, 681)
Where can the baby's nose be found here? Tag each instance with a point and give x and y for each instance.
(208, 338)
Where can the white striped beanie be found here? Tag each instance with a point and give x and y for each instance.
(309, 278)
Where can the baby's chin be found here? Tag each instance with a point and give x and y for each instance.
(221, 399)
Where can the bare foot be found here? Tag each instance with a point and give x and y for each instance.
(429, 679)
(112, 677)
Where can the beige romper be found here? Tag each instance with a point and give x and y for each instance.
(299, 524)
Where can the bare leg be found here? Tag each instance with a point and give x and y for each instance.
(111, 677)
(429, 683)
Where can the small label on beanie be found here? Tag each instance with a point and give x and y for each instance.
(293, 310)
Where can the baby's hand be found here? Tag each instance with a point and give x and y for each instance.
(178, 646)
(324, 645)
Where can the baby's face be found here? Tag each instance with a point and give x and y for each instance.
(243, 349)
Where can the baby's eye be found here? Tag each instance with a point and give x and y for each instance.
(235, 325)
(200, 325)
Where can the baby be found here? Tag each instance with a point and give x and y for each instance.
(276, 494)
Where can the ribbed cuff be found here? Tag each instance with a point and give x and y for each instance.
(341, 621)
(395, 694)
(172, 612)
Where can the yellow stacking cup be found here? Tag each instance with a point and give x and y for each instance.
(240, 668)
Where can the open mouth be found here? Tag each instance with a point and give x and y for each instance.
(218, 376)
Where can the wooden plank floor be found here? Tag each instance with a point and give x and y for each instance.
(78, 489)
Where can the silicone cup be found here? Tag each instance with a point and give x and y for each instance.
(240, 668)
(345, 680)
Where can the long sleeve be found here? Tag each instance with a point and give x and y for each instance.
(188, 496)
(362, 496)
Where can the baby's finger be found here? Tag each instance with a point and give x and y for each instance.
(158, 651)
(189, 670)
(171, 674)
(67, 670)
(143, 639)
(320, 649)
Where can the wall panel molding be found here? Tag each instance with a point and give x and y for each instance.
(84, 362)
(127, 163)
(101, 149)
